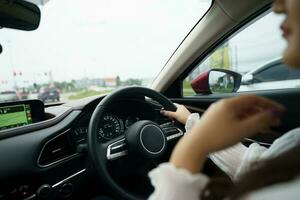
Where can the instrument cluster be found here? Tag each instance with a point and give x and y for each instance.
(115, 122)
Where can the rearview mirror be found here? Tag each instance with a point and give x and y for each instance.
(19, 14)
(216, 81)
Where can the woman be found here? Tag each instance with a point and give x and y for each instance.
(226, 123)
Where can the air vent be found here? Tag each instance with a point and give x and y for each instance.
(56, 150)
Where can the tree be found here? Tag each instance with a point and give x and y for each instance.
(118, 81)
(132, 81)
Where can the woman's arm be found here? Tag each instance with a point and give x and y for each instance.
(224, 124)
(179, 179)
(228, 160)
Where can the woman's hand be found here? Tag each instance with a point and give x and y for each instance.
(224, 124)
(229, 121)
(181, 114)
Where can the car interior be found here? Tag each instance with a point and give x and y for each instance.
(105, 145)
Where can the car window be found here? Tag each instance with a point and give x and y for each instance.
(94, 47)
(254, 53)
(276, 72)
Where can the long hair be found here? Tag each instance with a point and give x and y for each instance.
(280, 169)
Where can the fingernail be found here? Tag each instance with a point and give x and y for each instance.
(162, 111)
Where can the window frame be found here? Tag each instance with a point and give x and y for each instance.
(176, 88)
(224, 43)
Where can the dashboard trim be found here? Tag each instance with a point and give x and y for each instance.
(176, 135)
(59, 183)
(113, 156)
(68, 178)
(255, 141)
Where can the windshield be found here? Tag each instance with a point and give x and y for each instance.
(89, 47)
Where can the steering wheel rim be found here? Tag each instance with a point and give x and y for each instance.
(98, 151)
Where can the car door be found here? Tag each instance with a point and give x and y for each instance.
(252, 45)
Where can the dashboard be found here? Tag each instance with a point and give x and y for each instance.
(115, 122)
(46, 147)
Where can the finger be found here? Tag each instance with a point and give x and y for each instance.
(248, 112)
(246, 101)
(260, 122)
(269, 104)
(166, 113)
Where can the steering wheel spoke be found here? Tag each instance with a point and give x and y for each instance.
(116, 148)
(171, 131)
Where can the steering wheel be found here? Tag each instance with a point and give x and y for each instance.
(144, 138)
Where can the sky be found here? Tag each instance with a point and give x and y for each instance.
(96, 39)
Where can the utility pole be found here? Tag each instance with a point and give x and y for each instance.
(12, 64)
(51, 78)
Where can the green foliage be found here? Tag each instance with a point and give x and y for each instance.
(187, 89)
(65, 86)
(132, 81)
(87, 93)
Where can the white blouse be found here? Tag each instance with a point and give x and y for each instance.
(171, 183)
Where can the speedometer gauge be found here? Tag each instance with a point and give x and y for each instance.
(111, 127)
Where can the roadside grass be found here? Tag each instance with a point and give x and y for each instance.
(87, 93)
(187, 89)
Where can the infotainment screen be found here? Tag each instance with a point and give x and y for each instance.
(14, 116)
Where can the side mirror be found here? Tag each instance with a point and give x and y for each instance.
(19, 14)
(216, 81)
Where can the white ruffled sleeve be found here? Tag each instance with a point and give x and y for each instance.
(228, 160)
(191, 120)
(171, 183)
(236, 160)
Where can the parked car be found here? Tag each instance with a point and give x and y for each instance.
(49, 94)
(273, 75)
(10, 95)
